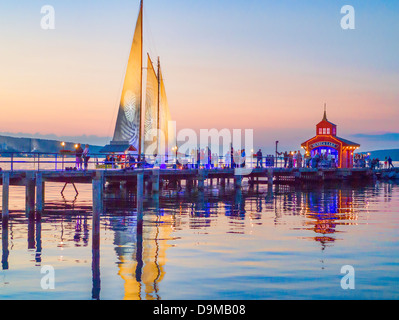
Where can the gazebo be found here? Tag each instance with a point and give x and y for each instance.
(326, 143)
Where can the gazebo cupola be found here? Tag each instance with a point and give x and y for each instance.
(325, 127)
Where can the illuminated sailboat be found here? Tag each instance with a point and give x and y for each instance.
(129, 134)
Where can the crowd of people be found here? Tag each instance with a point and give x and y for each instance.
(292, 159)
(364, 161)
(205, 157)
(235, 159)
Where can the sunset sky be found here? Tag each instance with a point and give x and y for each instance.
(266, 65)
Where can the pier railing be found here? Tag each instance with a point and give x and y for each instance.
(14, 161)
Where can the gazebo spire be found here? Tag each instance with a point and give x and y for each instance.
(325, 112)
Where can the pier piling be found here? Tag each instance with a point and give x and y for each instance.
(155, 181)
(6, 194)
(238, 181)
(98, 207)
(123, 189)
(4, 241)
(223, 182)
(201, 180)
(30, 195)
(98, 195)
(39, 193)
(270, 176)
(140, 195)
(189, 184)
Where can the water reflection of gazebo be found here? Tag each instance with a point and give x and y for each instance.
(326, 210)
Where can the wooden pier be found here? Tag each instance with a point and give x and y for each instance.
(155, 179)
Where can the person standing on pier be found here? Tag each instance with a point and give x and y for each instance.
(307, 159)
(259, 157)
(299, 159)
(285, 159)
(227, 160)
(86, 156)
(290, 160)
(132, 161)
(243, 158)
(390, 163)
(79, 152)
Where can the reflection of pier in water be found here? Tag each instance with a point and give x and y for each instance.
(141, 246)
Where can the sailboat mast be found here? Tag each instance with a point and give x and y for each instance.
(158, 102)
(141, 78)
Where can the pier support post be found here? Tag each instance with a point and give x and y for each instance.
(238, 181)
(269, 195)
(147, 185)
(223, 182)
(4, 241)
(270, 176)
(30, 195)
(155, 200)
(4, 220)
(140, 195)
(155, 181)
(238, 200)
(189, 184)
(98, 194)
(38, 255)
(31, 234)
(123, 189)
(95, 267)
(201, 180)
(6, 194)
(98, 207)
(39, 193)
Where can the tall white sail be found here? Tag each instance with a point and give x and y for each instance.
(151, 111)
(128, 124)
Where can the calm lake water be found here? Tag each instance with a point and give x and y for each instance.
(287, 244)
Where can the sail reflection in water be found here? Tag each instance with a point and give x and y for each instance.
(141, 254)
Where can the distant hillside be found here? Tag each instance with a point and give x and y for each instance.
(11, 144)
(381, 154)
